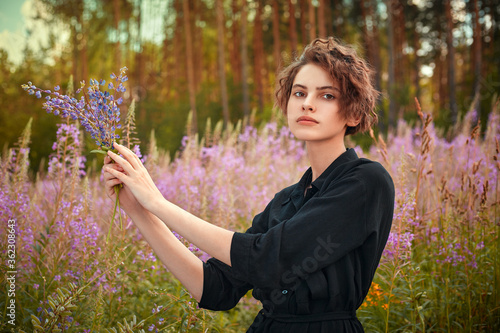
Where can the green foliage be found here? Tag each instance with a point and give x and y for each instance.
(61, 308)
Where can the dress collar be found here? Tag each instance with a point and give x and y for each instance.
(347, 156)
(297, 195)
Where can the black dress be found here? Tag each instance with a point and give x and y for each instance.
(310, 259)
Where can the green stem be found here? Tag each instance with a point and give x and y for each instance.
(117, 191)
(103, 151)
(117, 204)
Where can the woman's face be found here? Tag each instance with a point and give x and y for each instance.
(313, 107)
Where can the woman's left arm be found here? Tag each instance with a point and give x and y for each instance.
(214, 240)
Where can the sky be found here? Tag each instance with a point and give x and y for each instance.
(13, 24)
(11, 27)
(16, 19)
(10, 15)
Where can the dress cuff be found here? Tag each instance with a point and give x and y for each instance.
(209, 290)
(240, 254)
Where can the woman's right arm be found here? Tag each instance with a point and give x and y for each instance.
(181, 262)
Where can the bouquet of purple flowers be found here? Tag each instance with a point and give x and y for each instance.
(97, 111)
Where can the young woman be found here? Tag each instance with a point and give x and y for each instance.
(310, 256)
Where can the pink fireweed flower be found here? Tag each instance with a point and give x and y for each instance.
(97, 110)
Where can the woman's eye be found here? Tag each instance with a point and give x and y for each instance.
(298, 94)
(328, 96)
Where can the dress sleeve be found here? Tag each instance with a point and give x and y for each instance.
(324, 229)
(221, 288)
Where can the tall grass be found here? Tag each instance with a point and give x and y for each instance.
(440, 271)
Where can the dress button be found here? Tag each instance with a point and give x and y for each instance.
(284, 292)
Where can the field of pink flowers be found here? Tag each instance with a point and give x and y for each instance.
(440, 271)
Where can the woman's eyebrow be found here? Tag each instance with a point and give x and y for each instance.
(297, 85)
(328, 87)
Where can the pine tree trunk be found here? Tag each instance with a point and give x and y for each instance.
(258, 57)
(303, 21)
(376, 48)
(401, 64)
(244, 61)
(321, 19)
(292, 28)
(370, 35)
(222, 62)
(416, 64)
(139, 68)
(312, 21)
(179, 60)
(190, 67)
(391, 69)
(165, 70)
(451, 64)
(197, 47)
(493, 34)
(276, 36)
(116, 22)
(441, 71)
(235, 57)
(477, 46)
(327, 9)
(366, 32)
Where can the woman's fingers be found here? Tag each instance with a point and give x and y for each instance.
(129, 160)
(116, 174)
(111, 179)
(122, 162)
(113, 182)
(107, 175)
(110, 185)
(129, 154)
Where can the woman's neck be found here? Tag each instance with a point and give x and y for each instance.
(322, 155)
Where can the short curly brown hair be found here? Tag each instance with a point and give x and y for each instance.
(353, 74)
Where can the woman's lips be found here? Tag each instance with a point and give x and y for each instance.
(305, 120)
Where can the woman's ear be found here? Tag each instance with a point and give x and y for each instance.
(353, 122)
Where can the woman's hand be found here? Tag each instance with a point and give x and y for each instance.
(127, 199)
(129, 171)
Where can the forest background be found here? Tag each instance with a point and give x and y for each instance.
(219, 59)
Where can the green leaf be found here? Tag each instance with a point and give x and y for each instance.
(35, 320)
(38, 327)
(98, 151)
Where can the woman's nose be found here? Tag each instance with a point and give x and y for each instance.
(308, 106)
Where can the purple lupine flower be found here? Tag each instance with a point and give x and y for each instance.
(98, 111)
